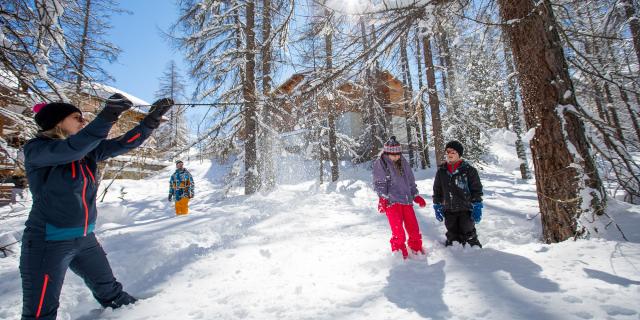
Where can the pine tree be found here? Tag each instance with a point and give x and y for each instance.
(174, 134)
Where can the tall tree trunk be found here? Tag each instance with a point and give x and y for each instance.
(596, 85)
(331, 110)
(548, 98)
(173, 123)
(251, 173)
(613, 116)
(623, 96)
(266, 154)
(421, 105)
(83, 49)
(515, 111)
(632, 113)
(408, 109)
(369, 108)
(434, 102)
(634, 25)
(611, 113)
(445, 52)
(381, 116)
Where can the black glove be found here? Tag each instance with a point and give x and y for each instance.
(114, 106)
(158, 109)
(170, 196)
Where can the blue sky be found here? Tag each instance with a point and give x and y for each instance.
(145, 52)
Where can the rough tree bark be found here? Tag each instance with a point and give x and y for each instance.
(421, 105)
(434, 102)
(562, 159)
(266, 154)
(251, 175)
(515, 112)
(408, 106)
(331, 110)
(83, 48)
(445, 53)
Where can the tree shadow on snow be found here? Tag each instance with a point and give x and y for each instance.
(523, 271)
(419, 288)
(610, 278)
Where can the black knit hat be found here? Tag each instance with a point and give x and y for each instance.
(392, 146)
(455, 145)
(179, 161)
(50, 114)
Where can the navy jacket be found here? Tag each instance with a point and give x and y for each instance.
(62, 177)
(457, 190)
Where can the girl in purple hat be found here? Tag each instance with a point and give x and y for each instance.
(396, 187)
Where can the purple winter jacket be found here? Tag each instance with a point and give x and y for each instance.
(390, 184)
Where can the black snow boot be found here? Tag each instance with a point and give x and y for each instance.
(122, 299)
(474, 242)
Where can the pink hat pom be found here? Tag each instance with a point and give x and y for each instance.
(38, 107)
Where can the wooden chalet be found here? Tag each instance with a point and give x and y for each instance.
(348, 102)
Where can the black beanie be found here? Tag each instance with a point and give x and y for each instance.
(49, 115)
(455, 145)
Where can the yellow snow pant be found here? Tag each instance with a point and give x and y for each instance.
(182, 206)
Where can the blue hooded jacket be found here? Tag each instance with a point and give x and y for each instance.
(62, 177)
(181, 185)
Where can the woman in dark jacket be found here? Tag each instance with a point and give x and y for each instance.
(61, 164)
(396, 187)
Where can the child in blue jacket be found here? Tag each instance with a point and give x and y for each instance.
(181, 188)
(61, 164)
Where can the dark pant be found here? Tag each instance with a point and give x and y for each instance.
(460, 227)
(43, 265)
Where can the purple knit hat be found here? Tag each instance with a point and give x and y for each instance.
(392, 146)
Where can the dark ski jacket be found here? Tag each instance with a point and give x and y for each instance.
(458, 190)
(390, 184)
(62, 177)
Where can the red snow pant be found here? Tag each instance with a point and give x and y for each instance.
(401, 217)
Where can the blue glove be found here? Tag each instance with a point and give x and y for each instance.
(477, 211)
(438, 208)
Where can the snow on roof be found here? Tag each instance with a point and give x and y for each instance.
(104, 91)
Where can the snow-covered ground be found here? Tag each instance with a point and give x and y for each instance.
(309, 251)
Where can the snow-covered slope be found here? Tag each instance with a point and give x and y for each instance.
(309, 251)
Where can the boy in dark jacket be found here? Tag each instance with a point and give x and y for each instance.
(457, 197)
(396, 187)
(61, 164)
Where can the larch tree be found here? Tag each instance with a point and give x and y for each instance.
(567, 181)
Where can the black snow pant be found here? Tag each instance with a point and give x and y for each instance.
(461, 227)
(43, 265)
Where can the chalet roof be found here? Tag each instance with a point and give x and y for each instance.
(298, 81)
(103, 91)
